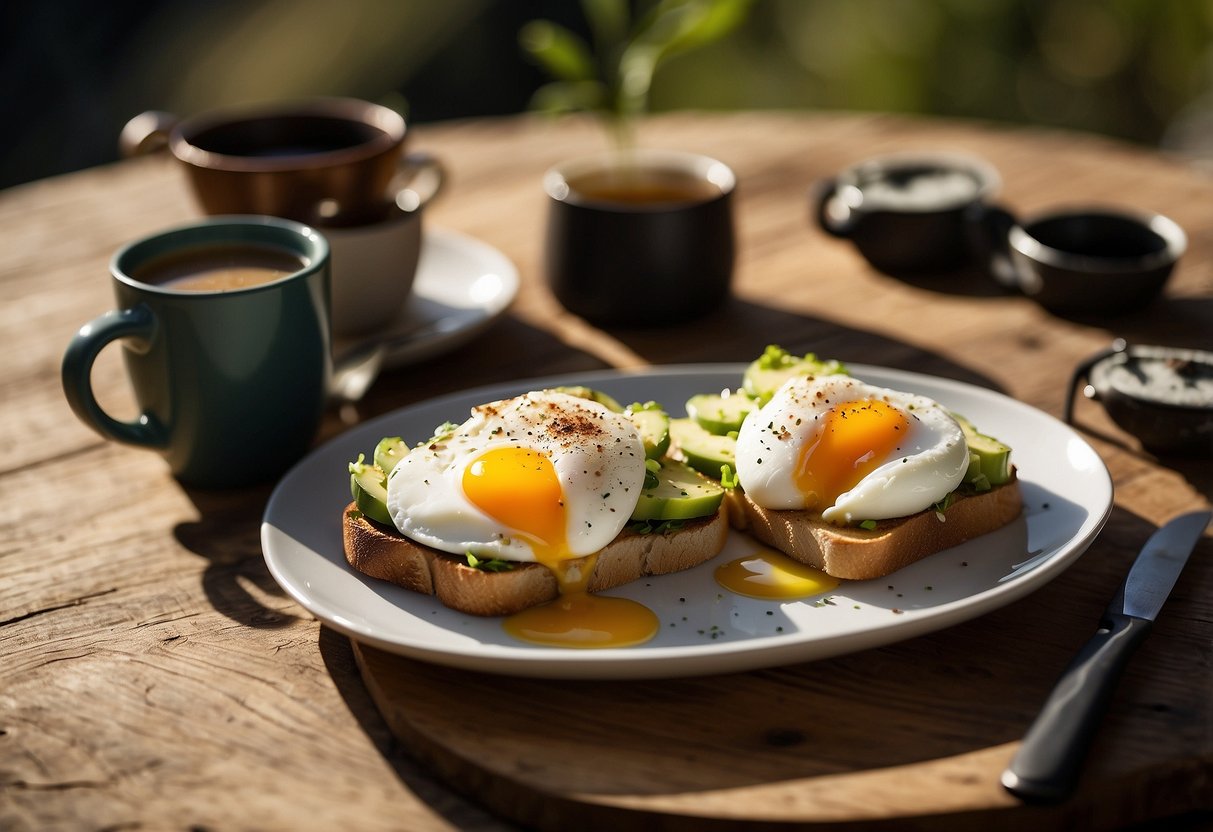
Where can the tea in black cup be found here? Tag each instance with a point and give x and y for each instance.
(640, 238)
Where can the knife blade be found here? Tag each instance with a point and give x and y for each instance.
(1046, 767)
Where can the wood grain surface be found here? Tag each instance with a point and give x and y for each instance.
(153, 676)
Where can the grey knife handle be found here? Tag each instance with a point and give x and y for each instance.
(1045, 770)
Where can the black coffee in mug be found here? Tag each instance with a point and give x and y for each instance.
(287, 135)
(218, 268)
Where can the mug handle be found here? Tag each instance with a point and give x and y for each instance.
(146, 133)
(825, 191)
(1083, 370)
(137, 324)
(988, 227)
(421, 177)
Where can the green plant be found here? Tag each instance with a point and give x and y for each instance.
(613, 76)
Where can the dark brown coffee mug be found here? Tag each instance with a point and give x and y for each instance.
(640, 238)
(318, 160)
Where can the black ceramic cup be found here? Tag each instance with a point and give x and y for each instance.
(907, 213)
(1087, 260)
(640, 238)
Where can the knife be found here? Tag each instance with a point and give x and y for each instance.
(1045, 770)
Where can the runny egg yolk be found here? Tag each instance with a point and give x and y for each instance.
(579, 619)
(773, 575)
(519, 488)
(855, 438)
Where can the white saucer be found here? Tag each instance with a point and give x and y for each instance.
(462, 286)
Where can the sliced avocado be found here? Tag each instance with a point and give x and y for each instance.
(993, 457)
(703, 451)
(368, 486)
(721, 413)
(768, 372)
(681, 493)
(389, 451)
(653, 423)
(583, 392)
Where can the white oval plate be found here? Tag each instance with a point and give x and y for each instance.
(705, 629)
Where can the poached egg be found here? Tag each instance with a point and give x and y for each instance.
(544, 477)
(849, 450)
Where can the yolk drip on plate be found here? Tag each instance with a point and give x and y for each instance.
(519, 488)
(578, 619)
(854, 440)
(773, 576)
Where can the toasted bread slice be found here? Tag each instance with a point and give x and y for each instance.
(381, 552)
(859, 554)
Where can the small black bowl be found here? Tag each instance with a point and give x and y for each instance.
(1099, 261)
(1082, 261)
(1161, 395)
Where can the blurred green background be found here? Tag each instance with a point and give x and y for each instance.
(76, 70)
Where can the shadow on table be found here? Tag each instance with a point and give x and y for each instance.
(227, 534)
(1168, 321)
(490, 359)
(965, 282)
(338, 657)
(740, 330)
(968, 688)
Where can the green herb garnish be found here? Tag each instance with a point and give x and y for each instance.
(727, 478)
(655, 526)
(488, 564)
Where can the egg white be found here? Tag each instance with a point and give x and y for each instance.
(928, 463)
(600, 467)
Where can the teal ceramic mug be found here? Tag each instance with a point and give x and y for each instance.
(224, 325)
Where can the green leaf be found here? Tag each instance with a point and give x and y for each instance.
(703, 22)
(622, 62)
(608, 21)
(558, 50)
(569, 96)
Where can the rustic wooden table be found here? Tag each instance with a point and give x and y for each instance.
(153, 675)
